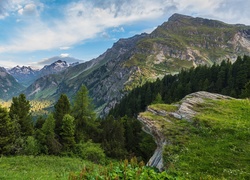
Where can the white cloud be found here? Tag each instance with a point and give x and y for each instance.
(7, 63)
(29, 10)
(64, 48)
(105, 35)
(8, 7)
(64, 55)
(51, 60)
(83, 19)
(230, 11)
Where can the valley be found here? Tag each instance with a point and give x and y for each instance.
(169, 104)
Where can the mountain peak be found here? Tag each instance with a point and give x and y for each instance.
(176, 17)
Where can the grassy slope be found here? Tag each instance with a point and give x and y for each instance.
(41, 167)
(214, 146)
(219, 146)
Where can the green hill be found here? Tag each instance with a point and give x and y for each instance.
(204, 136)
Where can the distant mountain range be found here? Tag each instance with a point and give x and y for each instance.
(180, 43)
(26, 75)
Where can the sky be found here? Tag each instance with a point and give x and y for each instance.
(36, 32)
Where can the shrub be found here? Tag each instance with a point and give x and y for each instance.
(31, 147)
(90, 151)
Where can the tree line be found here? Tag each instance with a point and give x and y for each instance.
(225, 78)
(70, 130)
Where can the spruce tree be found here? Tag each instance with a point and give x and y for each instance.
(67, 133)
(158, 99)
(62, 107)
(113, 140)
(20, 112)
(6, 132)
(246, 91)
(84, 115)
(48, 133)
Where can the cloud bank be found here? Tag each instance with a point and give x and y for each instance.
(82, 20)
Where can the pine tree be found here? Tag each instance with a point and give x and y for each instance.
(62, 107)
(20, 111)
(67, 133)
(84, 115)
(39, 122)
(113, 140)
(246, 91)
(158, 99)
(48, 131)
(6, 132)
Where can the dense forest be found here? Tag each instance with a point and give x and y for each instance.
(71, 130)
(225, 78)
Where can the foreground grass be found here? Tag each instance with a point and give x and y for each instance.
(50, 168)
(40, 167)
(218, 146)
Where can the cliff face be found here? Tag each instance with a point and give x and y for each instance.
(159, 120)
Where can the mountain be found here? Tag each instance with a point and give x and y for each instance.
(26, 75)
(8, 85)
(180, 43)
(95, 74)
(202, 131)
(54, 68)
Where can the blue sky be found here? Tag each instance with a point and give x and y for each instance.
(36, 32)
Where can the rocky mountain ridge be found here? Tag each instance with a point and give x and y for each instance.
(24, 75)
(27, 75)
(180, 43)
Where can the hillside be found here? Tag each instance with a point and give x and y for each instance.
(8, 85)
(204, 136)
(180, 43)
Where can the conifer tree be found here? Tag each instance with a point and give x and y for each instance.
(113, 140)
(246, 91)
(158, 99)
(20, 112)
(48, 133)
(6, 132)
(62, 107)
(67, 133)
(84, 115)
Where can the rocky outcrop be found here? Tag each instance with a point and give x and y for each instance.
(185, 111)
(149, 127)
(187, 104)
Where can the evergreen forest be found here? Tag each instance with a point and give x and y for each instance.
(232, 79)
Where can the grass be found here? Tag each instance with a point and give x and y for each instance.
(49, 167)
(40, 167)
(218, 144)
(164, 107)
(215, 145)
